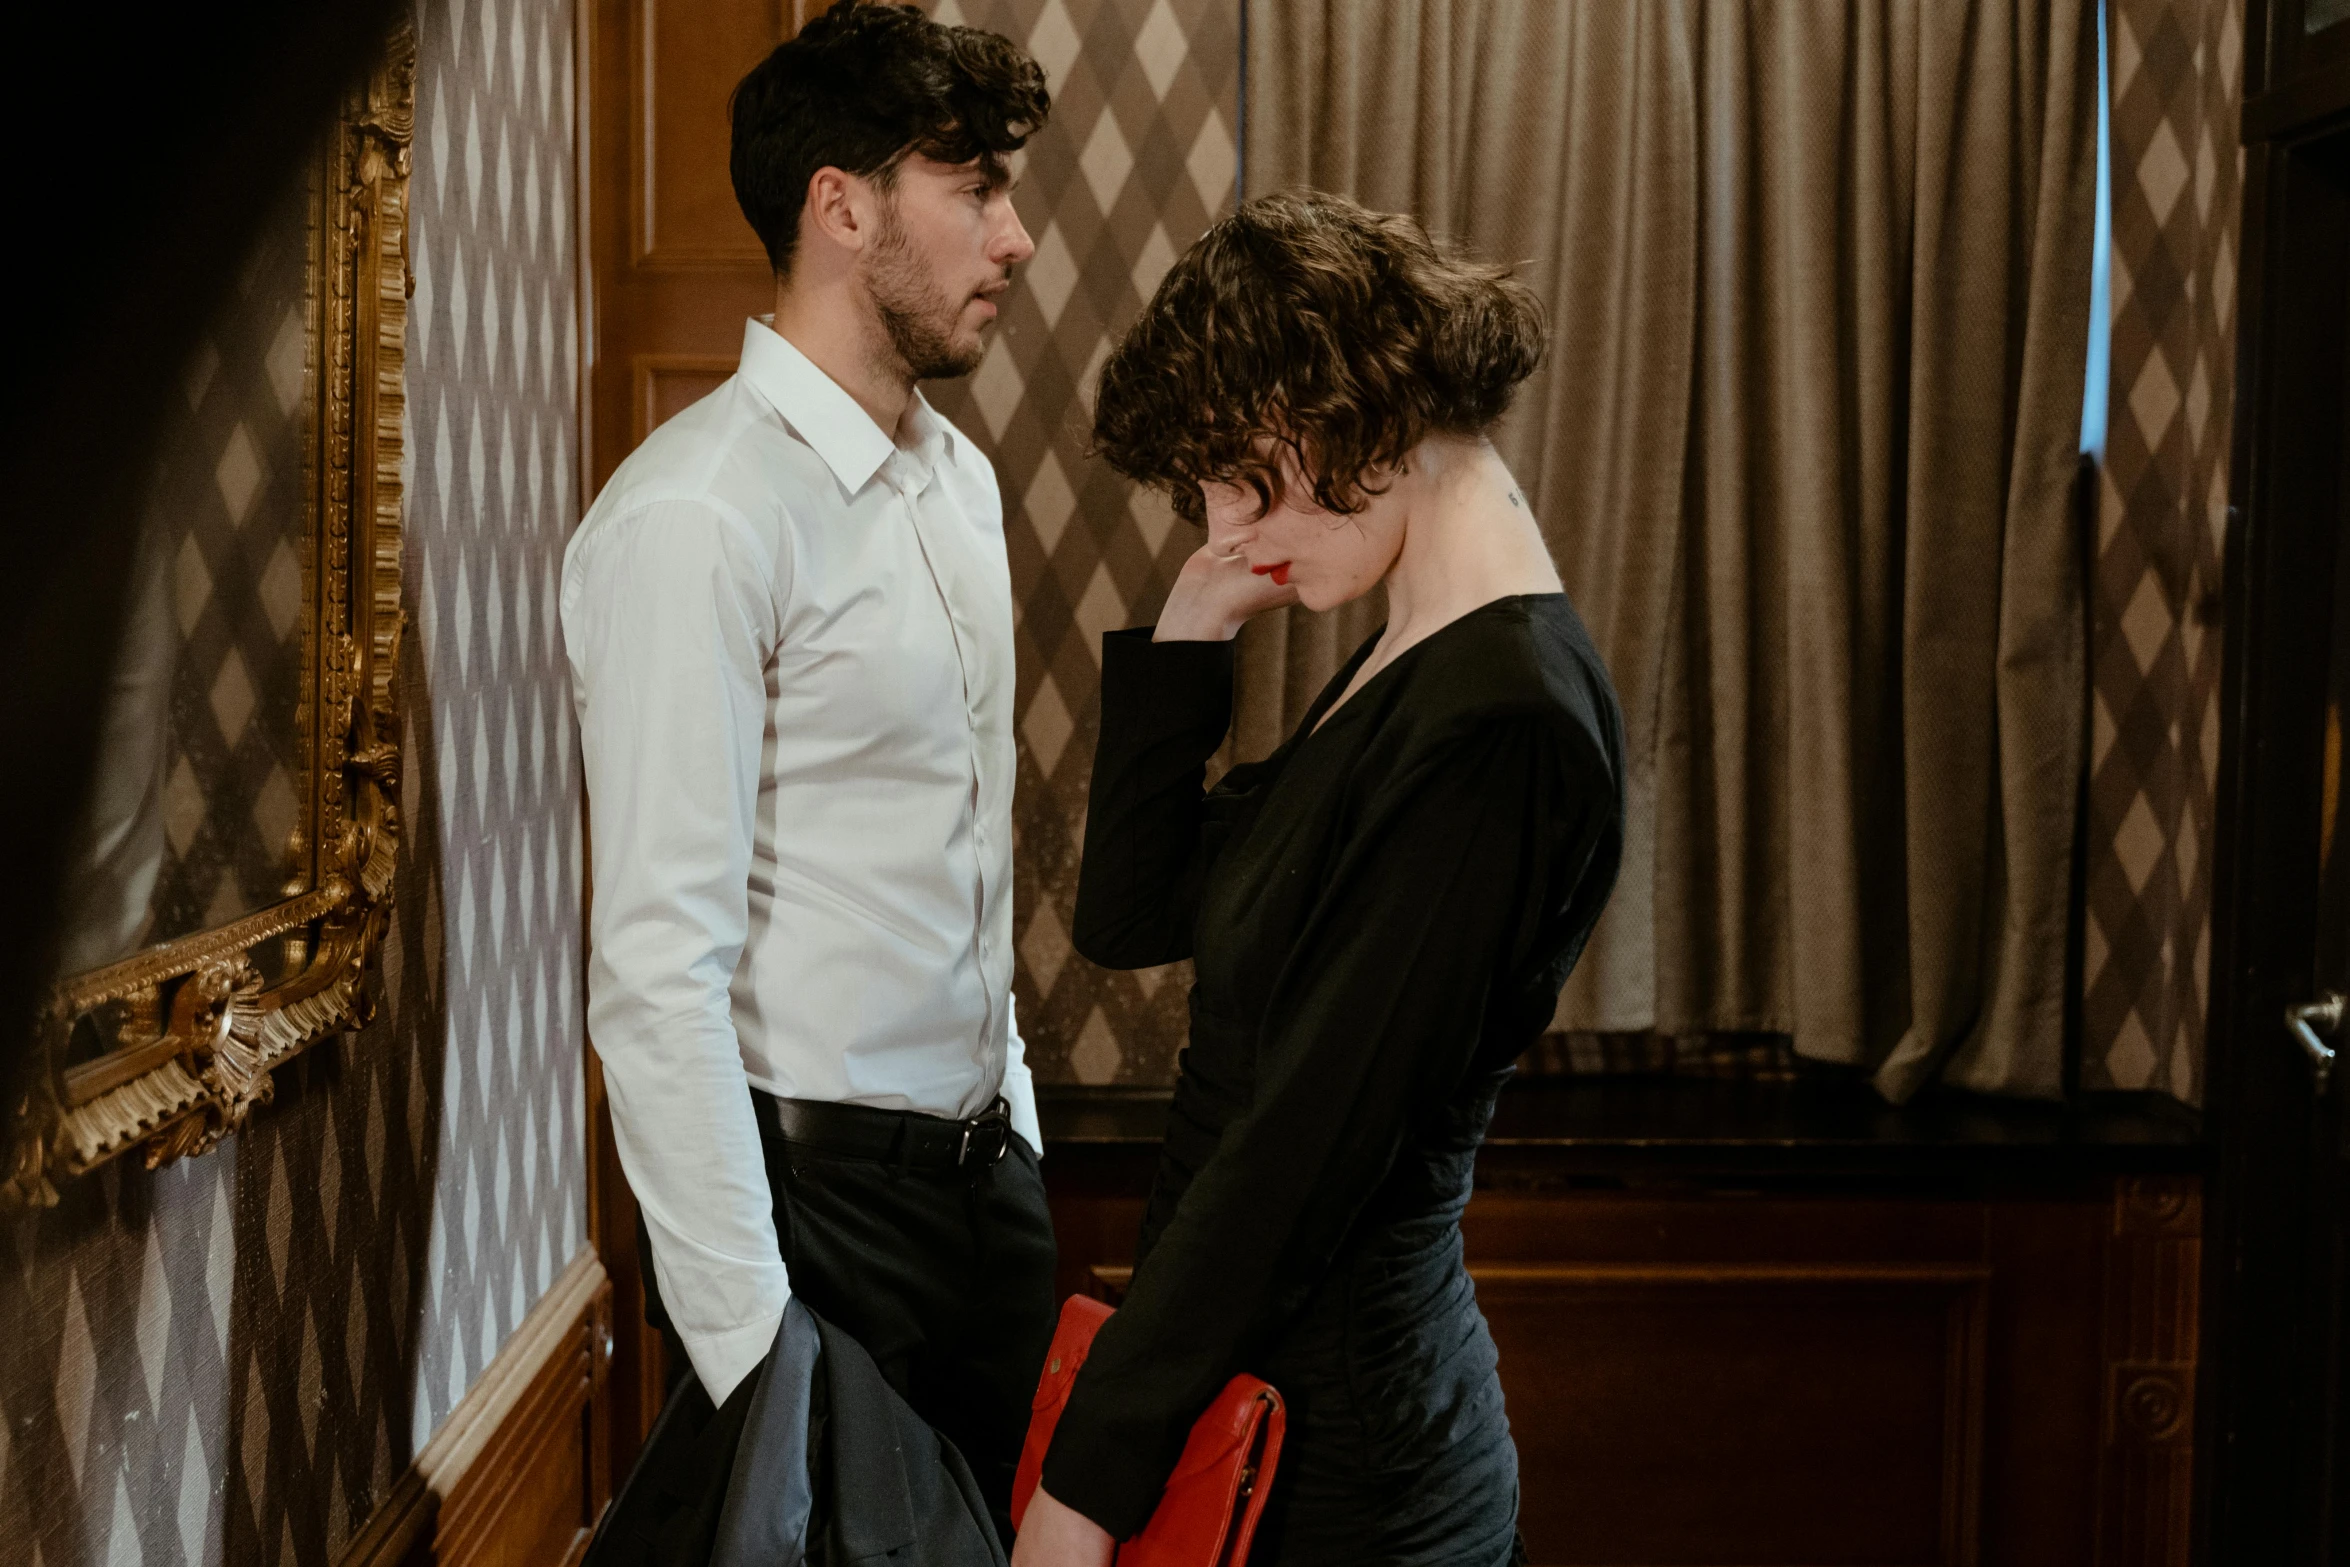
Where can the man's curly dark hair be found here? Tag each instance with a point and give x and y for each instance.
(1306, 321)
(860, 88)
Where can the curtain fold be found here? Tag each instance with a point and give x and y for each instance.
(1818, 283)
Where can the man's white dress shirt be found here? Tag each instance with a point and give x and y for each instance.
(791, 651)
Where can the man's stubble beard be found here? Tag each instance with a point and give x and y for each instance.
(916, 313)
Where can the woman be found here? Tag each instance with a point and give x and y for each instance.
(1380, 913)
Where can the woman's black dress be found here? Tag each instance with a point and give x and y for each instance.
(1380, 914)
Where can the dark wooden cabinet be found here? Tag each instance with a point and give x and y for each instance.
(1746, 1326)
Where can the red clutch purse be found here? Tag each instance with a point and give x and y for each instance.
(1209, 1511)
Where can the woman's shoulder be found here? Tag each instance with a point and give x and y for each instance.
(1526, 661)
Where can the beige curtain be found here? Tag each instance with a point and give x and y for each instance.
(1818, 284)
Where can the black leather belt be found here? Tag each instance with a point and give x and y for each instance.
(905, 1138)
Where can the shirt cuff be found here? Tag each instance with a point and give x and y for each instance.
(1153, 690)
(723, 1359)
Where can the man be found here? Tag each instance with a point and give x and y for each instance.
(790, 630)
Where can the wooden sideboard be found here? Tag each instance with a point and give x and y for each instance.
(1748, 1323)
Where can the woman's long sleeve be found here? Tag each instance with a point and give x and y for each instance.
(1397, 977)
(1165, 709)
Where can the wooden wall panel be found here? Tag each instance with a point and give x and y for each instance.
(2152, 1320)
(519, 1474)
(1869, 1370)
(2046, 1346)
(1688, 1414)
(535, 1494)
(675, 269)
(668, 384)
(689, 56)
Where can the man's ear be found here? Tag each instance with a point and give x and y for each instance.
(839, 207)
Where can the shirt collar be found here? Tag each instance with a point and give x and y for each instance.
(828, 418)
(933, 437)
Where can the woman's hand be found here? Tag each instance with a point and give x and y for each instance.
(1053, 1535)
(1214, 595)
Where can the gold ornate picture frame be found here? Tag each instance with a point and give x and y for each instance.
(197, 1025)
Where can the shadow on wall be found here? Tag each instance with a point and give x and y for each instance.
(217, 1362)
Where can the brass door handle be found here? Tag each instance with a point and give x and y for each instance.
(2306, 1022)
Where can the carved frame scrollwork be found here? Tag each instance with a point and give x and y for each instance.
(204, 1033)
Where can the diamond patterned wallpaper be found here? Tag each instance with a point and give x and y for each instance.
(492, 402)
(230, 1360)
(1140, 156)
(2161, 515)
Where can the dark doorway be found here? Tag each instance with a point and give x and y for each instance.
(2278, 1283)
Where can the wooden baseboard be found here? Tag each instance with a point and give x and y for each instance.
(520, 1471)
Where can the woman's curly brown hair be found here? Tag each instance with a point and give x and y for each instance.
(1304, 320)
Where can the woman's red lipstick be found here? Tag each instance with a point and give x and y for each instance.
(1279, 574)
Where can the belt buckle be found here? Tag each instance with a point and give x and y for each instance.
(996, 1121)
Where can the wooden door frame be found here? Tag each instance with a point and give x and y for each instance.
(2279, 579)
(637, 1371)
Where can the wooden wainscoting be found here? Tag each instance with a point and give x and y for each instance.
(1830, 1407)
(2153, 1317)
(1971, 1358)
(519, 1473)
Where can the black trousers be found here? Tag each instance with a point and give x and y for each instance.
(944, 1276)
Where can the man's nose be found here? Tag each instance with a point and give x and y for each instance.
(1014, 246)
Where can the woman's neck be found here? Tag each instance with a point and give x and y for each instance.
(1469, 538)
